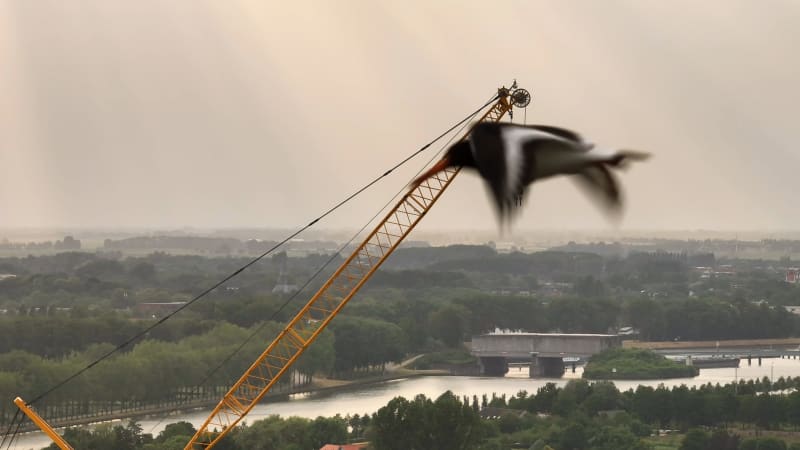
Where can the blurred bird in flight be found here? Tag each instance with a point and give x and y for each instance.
(510, 157)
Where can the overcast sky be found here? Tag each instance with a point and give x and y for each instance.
(264, 113)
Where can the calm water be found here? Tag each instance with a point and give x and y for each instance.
(368, 399)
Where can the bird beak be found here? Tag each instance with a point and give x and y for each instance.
(438, 167)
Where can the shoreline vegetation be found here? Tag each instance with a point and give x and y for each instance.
(450, 362)
(453, 361)
(635, 364)
(442, 363)
(757, 414)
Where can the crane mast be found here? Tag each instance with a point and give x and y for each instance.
(301, 331)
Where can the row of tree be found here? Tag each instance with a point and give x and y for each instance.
(271, 433)
(152, 372)
(758, 402)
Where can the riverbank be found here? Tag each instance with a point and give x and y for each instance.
(733, 343)
(319, 385)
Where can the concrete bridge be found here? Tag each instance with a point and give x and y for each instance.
(545, 351)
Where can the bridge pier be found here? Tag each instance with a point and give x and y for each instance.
(493, 366)
(547, 367)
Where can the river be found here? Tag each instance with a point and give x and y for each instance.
(366, 399)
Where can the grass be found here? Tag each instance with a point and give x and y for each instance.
(452, 356)
(668, 442)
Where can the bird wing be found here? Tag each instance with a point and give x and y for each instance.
(599, 183)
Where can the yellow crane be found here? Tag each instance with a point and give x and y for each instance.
(304, 328)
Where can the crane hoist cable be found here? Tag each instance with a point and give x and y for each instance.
(332, 258)
(506, 97)
(303, 329)
(8, 430)
(259, 257)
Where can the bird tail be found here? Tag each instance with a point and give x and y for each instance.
(623, 158)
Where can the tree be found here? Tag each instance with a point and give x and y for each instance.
(644, 403)
(105, 436)
(454, 425)
(448, 324)
(647, 316)
(615, 438)
(590, 287)
(793, 408)
(388, 429)
(695, 439)
(320, 357)
(545, 398)
(421, 423)
(604, 396)
(361, 343)
(573, 437)
(100, 268)
(571, 395)
(143, 271)
(324, 430)
(722, 440)
(182, 429)
(276, 433)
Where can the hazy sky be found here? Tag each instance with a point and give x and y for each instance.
(264, 113)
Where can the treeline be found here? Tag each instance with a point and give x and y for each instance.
(708, 319)
(598, 416)
(453, 316)
(102, 283)
(54, 284)
(151, 373)
(69, 243)
(113, 281)
(60, 335)
(418, 321)
(756, 402)
(211, 245)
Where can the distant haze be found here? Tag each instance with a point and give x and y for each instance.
(263, 114)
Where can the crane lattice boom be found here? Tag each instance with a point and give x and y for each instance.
(304, 328)
(301, 331)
